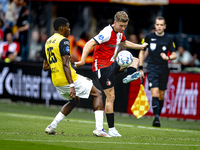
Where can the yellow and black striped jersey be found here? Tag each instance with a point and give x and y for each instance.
(55, 47)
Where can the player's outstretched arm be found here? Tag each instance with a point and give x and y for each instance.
(130, 45)
(86, 50)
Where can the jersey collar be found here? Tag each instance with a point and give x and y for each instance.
(160, 35)
(113, 28)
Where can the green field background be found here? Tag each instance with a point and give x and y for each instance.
(22, 127)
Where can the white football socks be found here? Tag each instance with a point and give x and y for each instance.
(57, 120)
(99, 119)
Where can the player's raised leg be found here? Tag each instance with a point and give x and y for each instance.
(132, 73)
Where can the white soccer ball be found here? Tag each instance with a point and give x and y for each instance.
(124, 58)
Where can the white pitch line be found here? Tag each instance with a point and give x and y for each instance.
(152, 128)
(92, 122)
(100, 142)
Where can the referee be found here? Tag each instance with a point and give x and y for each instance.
(159, 44)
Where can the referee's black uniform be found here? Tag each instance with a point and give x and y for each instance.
(157, 68)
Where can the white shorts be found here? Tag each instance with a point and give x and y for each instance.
(83, 86)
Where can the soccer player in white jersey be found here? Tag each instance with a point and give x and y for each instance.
(105, 68)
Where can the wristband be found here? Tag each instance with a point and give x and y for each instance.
(140, 67)
(7, 60)
(71, 85)
(169, 58)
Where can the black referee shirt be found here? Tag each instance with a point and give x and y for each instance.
(157, 45)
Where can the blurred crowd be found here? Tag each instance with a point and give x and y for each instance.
(15, 32)
(187, 50)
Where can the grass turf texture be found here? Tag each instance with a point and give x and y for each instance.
(22, 127)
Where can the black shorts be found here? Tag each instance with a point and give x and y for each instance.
(157, 76)
(106, 75)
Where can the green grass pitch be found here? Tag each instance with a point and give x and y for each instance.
(22, 128)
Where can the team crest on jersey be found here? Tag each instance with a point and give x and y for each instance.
(120, 36)
(101, 37)
(152, 46)
(67, 49)
(108, 83)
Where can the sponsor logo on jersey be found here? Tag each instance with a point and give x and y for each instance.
(110, 45)
(54, 70)
(153, 39)
(54, 41)
(101, 37)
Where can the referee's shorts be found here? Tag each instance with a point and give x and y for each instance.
(157, 76)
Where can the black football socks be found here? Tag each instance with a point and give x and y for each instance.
(131, 70)
(155, 106)
(110, 120)
(160, 106)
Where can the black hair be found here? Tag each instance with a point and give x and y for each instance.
(8, 31)
(60, 21)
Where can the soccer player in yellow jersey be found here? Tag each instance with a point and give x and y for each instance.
(70, 85)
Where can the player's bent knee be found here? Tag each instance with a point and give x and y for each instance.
(109, 104)
(99, 93)
(98, 105)
(110, 99)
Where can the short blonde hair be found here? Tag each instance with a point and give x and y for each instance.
(121, 16)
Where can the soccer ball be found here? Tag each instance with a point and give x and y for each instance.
(124, 58)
